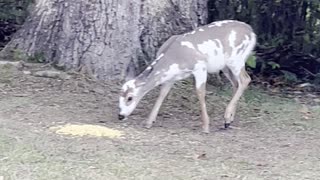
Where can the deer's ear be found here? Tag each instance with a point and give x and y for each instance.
(130, 71)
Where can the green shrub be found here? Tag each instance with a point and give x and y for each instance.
(12, 16)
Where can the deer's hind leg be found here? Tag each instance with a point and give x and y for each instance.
(228, 73)
(243, 80)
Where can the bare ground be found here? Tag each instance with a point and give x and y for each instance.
(272, 138)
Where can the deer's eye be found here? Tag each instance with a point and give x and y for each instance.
(129, 99)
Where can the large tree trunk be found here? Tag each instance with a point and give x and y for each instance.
(105, 35)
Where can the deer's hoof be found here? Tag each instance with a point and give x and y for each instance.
(205, 130)
(148, 125)
(227, 125)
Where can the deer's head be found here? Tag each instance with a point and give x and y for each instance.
(130, 95)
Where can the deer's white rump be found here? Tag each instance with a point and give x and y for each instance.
(220, 46)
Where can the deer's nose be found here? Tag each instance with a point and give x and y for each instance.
(121, 117)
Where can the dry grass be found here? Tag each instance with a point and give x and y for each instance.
(273, 138)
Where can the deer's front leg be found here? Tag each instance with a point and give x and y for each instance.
(200, 76)
(165, 88)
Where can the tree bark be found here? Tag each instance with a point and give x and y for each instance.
(103, 36)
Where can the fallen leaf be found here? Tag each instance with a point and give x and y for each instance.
(306, 113)
(317, 100)
(200, 156)
(305, 109)
(304, 85)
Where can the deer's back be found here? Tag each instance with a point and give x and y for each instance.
(218, 44)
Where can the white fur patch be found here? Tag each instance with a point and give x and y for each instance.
(129, 84)
(200, 74)
(201, 30)
(157, 59)
(235, 49)
(122, 104)
(232, 38)
(215, 53)
(188, 44)
(237, 59)
(160, 56)
(192, 32)
(124, 109)
(175, 73)
(220, 23)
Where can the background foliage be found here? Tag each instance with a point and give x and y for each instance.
(288, 33)
(12, 16)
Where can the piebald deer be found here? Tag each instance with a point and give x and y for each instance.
(220, 46)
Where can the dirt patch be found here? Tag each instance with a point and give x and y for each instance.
(272, 138)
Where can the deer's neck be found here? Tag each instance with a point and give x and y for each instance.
(147, 82)
(162, 70)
